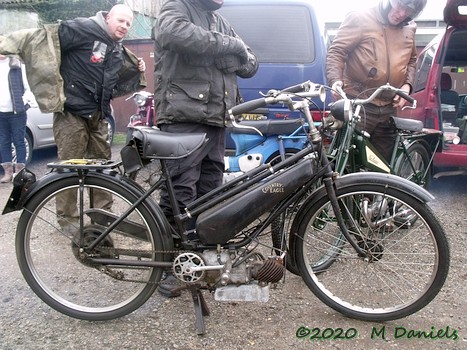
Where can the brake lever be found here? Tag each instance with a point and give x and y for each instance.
(413, 106)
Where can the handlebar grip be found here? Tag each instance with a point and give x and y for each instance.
(248, 106)
(295, 88)
(402, 94)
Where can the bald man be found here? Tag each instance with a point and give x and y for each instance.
(92, 55)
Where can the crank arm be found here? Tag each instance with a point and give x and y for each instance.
(192, 269)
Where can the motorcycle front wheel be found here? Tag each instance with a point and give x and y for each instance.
(59, 269)
(405, 265)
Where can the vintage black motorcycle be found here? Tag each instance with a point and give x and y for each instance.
(382, 253)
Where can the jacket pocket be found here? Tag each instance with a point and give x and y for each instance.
(187, 100)
(79, 93)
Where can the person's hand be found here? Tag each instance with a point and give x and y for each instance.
(399, 102)
(228, 63)
(238, 48)
(141, 65)
(335, 88)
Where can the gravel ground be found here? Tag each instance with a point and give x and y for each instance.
(28, 323)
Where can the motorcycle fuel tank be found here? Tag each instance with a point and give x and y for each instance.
(223, 221)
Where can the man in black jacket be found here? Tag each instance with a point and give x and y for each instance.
(91, 57)
(198, 57)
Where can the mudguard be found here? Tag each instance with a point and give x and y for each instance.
(389, 180)
(361, 178)
(24, 184)
(25, 187)
(367, 178)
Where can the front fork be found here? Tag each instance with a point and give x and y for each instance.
(328, 180)
(342, 215)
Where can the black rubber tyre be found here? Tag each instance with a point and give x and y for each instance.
(68, 280)
(406, 267)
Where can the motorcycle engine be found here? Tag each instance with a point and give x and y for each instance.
(228, 267)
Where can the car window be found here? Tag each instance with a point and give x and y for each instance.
(424, 64)
(276, 34)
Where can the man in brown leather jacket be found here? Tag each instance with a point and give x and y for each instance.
(373, 48)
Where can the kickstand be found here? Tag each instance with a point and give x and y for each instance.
(201, 309)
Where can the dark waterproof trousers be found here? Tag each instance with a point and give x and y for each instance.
(200, 172)
(377, 122)
(77, 138)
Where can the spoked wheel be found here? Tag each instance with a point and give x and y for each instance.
(415, 165)
(60, 268)
(405, 266)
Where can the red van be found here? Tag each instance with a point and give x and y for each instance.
(440, 89)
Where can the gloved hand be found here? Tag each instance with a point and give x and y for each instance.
(228, 63)
(237, 47)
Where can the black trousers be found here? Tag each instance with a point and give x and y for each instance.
(377, 122)
(200, 172)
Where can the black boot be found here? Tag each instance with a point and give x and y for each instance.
(170, 286)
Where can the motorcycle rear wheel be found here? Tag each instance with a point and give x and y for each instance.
(67, 280)
(406, 265)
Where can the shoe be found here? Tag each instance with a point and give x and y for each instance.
(169, 286)
(70, 229)
(8, 168)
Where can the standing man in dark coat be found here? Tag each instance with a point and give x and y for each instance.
(198, 57)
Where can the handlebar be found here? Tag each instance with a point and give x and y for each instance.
(285, 96)
(248, 106)
(406, 97)
(144, 93)
(377, 92)
(343, 109)
(295, 97)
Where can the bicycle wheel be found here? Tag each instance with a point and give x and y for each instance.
(407, 264)
(414, 166)
(64, 277)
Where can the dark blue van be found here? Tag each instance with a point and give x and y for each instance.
(289, 42)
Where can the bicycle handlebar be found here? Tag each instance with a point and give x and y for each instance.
(344, 108)
(307, 89)
(377, 92)
(248, 106)
(341, 109)
(406, 97)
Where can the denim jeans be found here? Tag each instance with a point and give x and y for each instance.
(12, 131)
